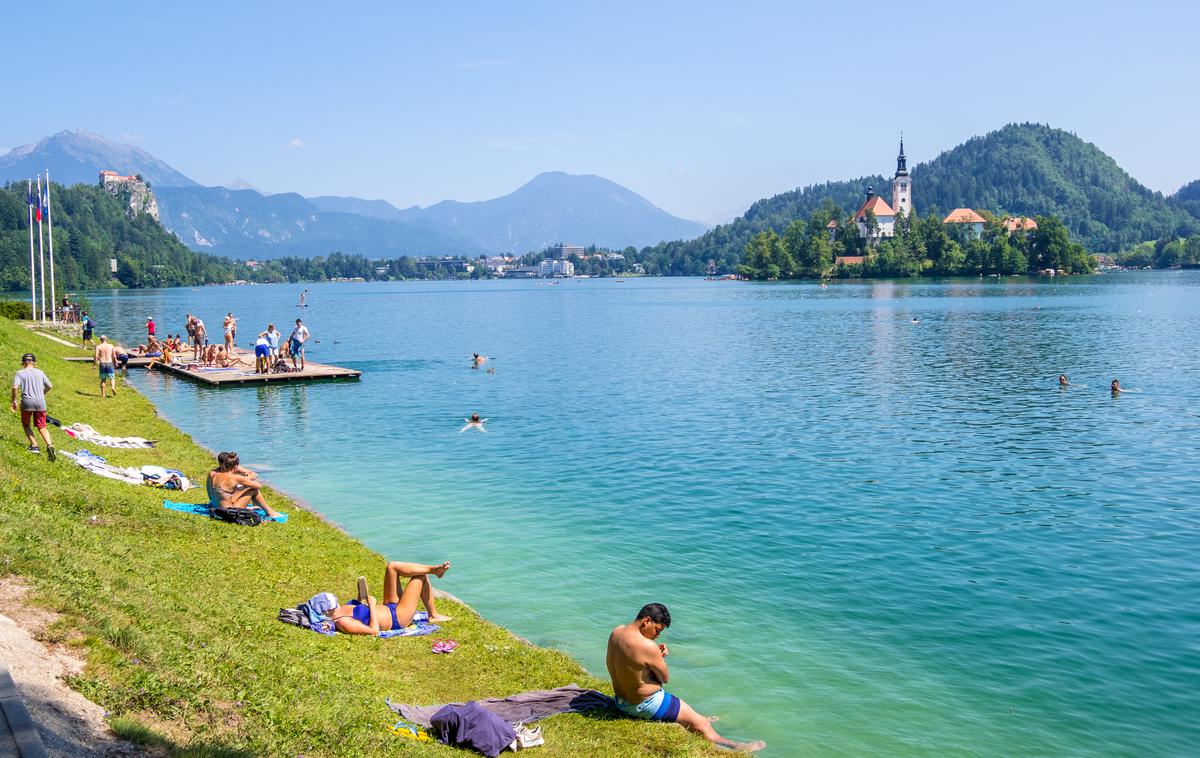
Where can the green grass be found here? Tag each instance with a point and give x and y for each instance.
(176, 614)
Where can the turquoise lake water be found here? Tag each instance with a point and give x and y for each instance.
(875, 537)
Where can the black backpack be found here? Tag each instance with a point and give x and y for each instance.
(242, 516)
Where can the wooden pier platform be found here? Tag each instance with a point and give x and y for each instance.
(222, 377)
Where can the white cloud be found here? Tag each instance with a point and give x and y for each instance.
(294, 142)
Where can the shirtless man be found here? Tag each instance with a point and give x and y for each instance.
(639, 671)
(478, 360)
(199, 338)
(106, 361)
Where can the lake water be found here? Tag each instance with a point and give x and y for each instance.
(875, 537)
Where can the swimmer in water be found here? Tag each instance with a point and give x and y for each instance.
(1116, 387)
(916, 320)
(475, 422)
(478, 360)
(1062, 381)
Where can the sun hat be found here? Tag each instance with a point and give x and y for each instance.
(319, 605)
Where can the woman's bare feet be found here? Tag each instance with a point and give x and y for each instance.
(437, 617)
(440, 570)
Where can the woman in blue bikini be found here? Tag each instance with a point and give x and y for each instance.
(398, 607)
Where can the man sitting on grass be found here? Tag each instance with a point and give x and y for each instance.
(639, 671)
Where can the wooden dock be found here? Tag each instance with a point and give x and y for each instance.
(221, 377)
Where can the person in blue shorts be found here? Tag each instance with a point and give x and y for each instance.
(638, 668)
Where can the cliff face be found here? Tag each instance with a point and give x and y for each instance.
(141, 199)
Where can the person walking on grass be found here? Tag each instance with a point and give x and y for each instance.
(29, 389)
(296, 343)
(88, 326)
(106, 362)
(638, 668)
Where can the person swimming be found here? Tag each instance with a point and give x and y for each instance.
(1062, 381)
(478, 360)
(475, 422)
(1116, 387)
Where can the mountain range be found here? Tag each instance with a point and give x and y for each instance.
(241, 222)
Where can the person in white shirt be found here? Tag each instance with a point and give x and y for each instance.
(296, 343)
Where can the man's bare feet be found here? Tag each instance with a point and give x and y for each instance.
(742, 747)
(440, 570)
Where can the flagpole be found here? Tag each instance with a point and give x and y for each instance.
(50, 225)
(32, 268)
(41, 250)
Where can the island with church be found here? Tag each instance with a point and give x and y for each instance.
(891, 240)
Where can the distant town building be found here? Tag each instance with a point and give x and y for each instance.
(563, 250)
(1019, 224)
(969, 219)
(521, 272)
(555, 267)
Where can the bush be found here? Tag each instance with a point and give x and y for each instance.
(16, 310)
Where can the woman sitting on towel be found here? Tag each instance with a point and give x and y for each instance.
(232, 486)
(398, 607)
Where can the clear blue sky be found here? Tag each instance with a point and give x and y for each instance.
(701, 107)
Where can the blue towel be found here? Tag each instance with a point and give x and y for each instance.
(204, 509)
(419, 627)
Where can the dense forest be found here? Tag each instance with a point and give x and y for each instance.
(1022, 169)
(921, 246)
(92, 227)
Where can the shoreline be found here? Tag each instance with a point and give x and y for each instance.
(133, 639)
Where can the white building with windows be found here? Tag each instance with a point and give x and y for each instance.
(556, 267)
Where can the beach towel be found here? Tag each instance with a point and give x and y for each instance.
(522, 708)
(302, 617)
(204, 509)
(85, 433)
(155, 476)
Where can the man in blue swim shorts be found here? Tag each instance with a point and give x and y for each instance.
(638, 669)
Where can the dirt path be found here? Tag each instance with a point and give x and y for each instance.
(70, 724)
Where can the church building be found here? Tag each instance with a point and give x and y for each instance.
(885, 215)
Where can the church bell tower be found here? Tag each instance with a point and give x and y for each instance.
(902, 185)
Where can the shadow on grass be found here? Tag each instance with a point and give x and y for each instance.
(139, 734)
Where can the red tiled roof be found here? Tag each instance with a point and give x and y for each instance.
(963, 216)
(1020, 223)
(876, 205)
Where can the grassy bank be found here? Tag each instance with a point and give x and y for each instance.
(175, 614)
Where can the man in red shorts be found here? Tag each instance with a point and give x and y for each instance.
(29, 388)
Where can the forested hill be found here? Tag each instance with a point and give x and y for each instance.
(1022, 169)
(92, 227)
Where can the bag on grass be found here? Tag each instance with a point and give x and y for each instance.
(240, 516)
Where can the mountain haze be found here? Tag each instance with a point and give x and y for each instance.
(77, 156)
(243, 222)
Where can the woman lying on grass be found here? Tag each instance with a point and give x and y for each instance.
(398, 607)
(232, 486)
